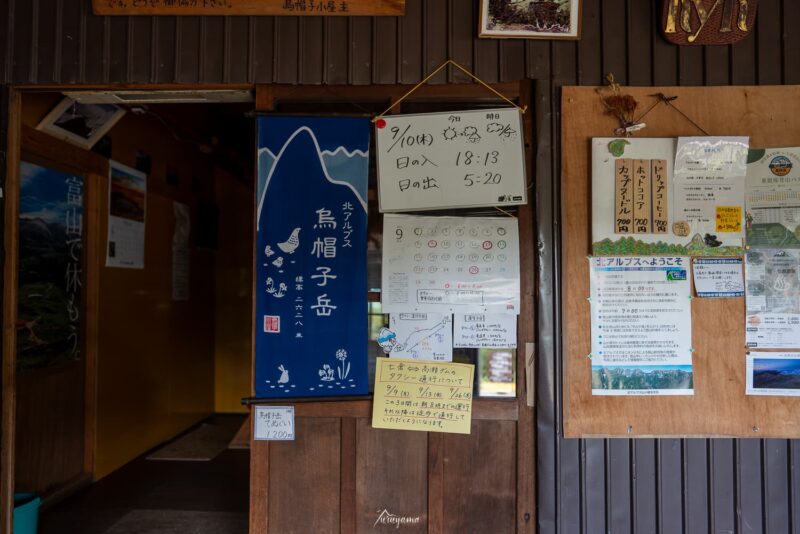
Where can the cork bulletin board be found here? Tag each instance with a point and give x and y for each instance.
(770, 115)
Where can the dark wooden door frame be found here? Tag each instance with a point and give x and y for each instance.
(521, 411)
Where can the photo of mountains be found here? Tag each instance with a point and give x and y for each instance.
(769, 373)
(642, 377)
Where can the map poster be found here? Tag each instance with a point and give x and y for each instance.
(311, 262)
(641, 326)
(772, 294)
(450, 264)
(773, 373)
(418, 336)
(773, 198)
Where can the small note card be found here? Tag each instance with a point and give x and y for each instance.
(274, 423)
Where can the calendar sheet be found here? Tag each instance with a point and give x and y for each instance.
(127, 200)
(450, 264)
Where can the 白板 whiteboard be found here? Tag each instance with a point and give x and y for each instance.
(456, 159)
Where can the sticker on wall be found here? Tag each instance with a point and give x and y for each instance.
(311, 263)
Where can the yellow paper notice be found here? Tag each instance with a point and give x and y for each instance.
(729, 218)
(421, 395)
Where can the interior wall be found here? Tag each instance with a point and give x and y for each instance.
(155, 368)
(234, 286)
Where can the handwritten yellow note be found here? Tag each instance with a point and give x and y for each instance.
(729, 218)
(426, 396)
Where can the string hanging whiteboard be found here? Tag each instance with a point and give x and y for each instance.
(451, 160)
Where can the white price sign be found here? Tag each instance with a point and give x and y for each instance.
(274, 423)
(451, 160)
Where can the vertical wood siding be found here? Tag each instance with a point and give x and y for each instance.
(592, 485)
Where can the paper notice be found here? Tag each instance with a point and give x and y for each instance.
(425, 396)
(485, 330)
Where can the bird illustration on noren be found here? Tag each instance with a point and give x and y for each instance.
(291, 243)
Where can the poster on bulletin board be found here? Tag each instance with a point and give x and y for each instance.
(311, 263)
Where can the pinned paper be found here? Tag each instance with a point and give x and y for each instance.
(419, 336)
(485, 330)
(718, 277)
(274, 423)
(424, 396)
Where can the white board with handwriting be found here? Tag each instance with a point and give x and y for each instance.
(456, 159)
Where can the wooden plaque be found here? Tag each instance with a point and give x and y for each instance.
(702, 22)
(325, 8)
(642, 214)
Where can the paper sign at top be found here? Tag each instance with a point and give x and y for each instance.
(426, 396)
(451, 160)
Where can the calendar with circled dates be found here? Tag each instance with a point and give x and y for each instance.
(450, 264)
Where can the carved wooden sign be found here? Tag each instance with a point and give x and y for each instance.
(701, 22)
(250, 7)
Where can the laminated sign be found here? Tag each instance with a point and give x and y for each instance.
(311, 265)
(450, 160)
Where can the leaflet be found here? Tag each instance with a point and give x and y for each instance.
(641, 326)
(772, 292)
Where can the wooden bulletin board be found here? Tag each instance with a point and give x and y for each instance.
(719, 406)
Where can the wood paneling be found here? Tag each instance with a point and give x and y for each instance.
(479, 484)
(50, 427)
(11, 111)
(304, 478)
(769, 115)
(391, 476)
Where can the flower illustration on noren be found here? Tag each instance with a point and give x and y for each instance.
(326, 373)
(344, 369)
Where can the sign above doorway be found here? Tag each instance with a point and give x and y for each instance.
(250, 7)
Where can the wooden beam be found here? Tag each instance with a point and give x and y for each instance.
(526, 444)
(305, 8)
(9, 362)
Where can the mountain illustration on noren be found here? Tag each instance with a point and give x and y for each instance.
(305, 217)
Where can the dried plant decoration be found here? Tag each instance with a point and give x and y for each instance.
(621, 106)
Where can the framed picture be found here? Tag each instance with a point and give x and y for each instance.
(530, 19)
(80, 124)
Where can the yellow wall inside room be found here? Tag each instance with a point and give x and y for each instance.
(234, 266)
(155, 363)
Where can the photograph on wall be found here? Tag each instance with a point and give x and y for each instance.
(772, 295)
(641, 326)
(79, 123)
(311, 265)
(530, 19)
(127, 203)
(773, 198)
(640, 208)
(50, 266)
(773, 373)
